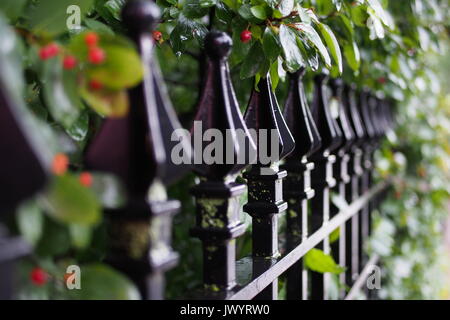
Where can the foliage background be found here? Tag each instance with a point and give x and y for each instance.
(388, 46)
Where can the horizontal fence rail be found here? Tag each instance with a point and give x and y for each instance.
(318, 180)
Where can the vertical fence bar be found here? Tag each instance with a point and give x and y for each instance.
(23, 172)
(136, 148)
(297, 187)
(322, 176)
(217, 195)
(352, 189)
(265, 185)
(369, 148)
(339, 106)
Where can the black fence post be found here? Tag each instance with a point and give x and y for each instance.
(352, 189)
(23, 172)
(322, 175)
(368, 150)
(297, 188)
(217, 195)
(136, 148)
(265, 180)
(339, 106)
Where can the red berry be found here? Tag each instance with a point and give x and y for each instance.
(95, 85)
(86, 179)
(157, 35)
(96, 55)
(69, 62)
(381, 80)
(246, 36)
(49, 51)
(38, 276)
(91, 39)
(60, 164)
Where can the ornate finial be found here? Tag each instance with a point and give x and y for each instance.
(218, 109)
(365, 114)
(263, 112)
(299, 119)
(329, 132)
(354, 115)
(137, 147)
(140, 15)
(341, 117)
(218, 45)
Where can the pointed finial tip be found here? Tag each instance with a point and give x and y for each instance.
(140, 15)
(218, 45)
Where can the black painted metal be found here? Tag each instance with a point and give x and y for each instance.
(217, 195)
(328, 148)
(322, 176)
(340, 107)
(297, 188)
(264, 179)
(23, 172)
(135, 149)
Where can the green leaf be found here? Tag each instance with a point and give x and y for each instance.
(98, 27)
(291, 51)
(232, 4)
(101, 282)
(259, 12)
(70, 202)
(239, 50)
(122, 68)
(375, 26)
(272, 3)
(245, 12)
(115, 7)
(351, 53)
(271, 44)
(318, 261)
(253, 61)
(359, 15)
(224, 13)
(378, 10)
(106, 102)
(194, 9)
(314, 37)
(309, 54)
(185, 30)
(109, 11)
(61, 93)
(12, 9)
(55, 239)
(30, 221)
(285, 7)
(332, 44)
(50, 18)
(347, 26)
(81, 235)
(334, 236)
(325, 7)
(78, 131)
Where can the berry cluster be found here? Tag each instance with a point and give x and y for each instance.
(95, 56)
(60, 165)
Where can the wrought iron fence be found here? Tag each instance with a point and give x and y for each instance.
(323, 149)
